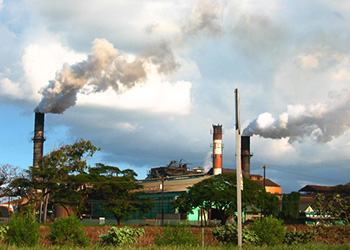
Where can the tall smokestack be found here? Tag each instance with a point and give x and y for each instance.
(217, 149)
(245, 155)
(38, 138)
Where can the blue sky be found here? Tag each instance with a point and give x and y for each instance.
(147, 79)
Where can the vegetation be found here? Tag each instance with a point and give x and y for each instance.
(228, 234)
(270, 231)
(121, 236)
(335, 204)
(297, 237)
(219, 192)
(23, 230)
(3, 231)
(118, 189)
(52, 177)
(64, 178)
(179, 235)
(290, 206)
(68, 231)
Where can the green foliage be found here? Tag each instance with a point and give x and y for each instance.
(118, 188)
(297, 237)
(290, 206)
(23, 230)
(219, 192)
(52, 176)
(68, 231)
(335, 204)
(270, 204)
(3, 231)
(270, 231)
(180, 235)
(228, 234)
(121, 236)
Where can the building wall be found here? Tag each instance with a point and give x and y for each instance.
(273, 190)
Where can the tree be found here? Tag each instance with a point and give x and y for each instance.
(7, 174)
(219, 192)
(290, 206)
(52, 176)
(335, 204)
(118, 189)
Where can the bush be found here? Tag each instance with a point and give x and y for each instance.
(3, 231)
(269, 230)
(23, 230)
(296, 237)
(120, 236)
(68, 231)
(228, 234)
(176, 236)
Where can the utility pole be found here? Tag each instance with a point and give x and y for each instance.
(264, 183)
(162, 187)
(264, 167)
(238, 170)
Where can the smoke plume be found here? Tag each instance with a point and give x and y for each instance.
(105, 68)
(322, 122)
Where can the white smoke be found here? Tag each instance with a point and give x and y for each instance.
(321, 122)
(105, 68)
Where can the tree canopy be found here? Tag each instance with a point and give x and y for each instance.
(220, 192)
(64, 178)
(335, 203)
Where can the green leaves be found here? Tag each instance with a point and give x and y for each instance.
(121, 236)
(219, 192)
(68, 231)
(335, 204)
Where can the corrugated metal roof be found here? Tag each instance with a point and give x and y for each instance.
(171, 185)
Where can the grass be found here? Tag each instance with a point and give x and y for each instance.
(221, 247)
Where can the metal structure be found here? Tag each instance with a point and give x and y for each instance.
(217, 149)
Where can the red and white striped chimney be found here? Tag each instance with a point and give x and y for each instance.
(38, 138)
(217, 149)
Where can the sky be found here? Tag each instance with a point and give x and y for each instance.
(146, 80)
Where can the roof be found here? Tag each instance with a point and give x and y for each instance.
(268, 183)
(315, 189)
(179, 184)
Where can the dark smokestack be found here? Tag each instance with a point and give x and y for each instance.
(38, 138)
(245, 155)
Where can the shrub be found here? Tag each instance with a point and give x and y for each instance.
(3, 231)
(269, 230)
(176, 236)
(68, 231)
(23, 230)
(228, 234)
(296, 237)
(120, 236)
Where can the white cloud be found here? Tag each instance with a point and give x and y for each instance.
(41, 60)
(154, 96)
(11, 89)
(309, 61)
